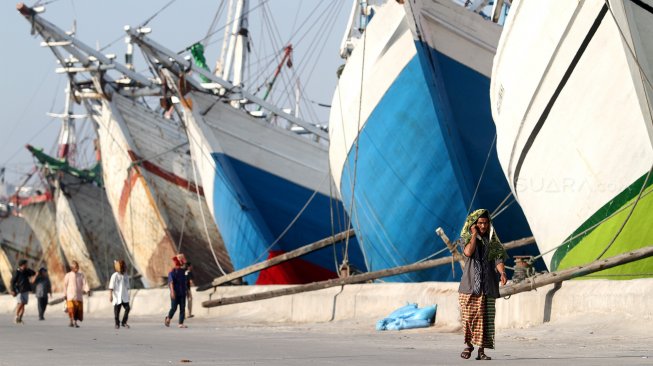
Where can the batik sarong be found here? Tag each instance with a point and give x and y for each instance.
(477, 314)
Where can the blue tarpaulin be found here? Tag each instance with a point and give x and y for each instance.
(408, 317)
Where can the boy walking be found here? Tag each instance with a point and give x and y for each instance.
(178, 290)
(20, 288)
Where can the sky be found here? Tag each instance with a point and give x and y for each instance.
(31, 88)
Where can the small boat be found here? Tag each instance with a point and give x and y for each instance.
(571, 98)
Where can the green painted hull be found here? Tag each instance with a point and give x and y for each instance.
(591, 239)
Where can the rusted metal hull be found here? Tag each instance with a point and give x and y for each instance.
(41, 218)
(87, 230)
(149, 184)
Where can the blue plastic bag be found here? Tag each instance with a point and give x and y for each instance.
(408, 317)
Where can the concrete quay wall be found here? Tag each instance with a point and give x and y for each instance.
(370, 302)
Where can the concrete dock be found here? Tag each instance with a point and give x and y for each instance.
(216, 342)
(582, 323)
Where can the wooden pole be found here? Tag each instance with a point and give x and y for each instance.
(278, 259)
(337, 281)
(531, 283)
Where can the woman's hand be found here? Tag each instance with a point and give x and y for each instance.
(474, 230)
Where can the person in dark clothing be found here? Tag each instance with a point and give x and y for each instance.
(479, 287)
(189, 283)
(178, 290)
(42, 288)
(21, 287)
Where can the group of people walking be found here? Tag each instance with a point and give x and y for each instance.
(75, 287)
(483, 271)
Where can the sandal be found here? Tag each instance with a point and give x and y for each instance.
(467, 353)
(182, 326)
(483, 356)
(167, 321)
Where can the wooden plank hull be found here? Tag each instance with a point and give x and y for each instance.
(41, 218)
(87, 230)
(17, 240)
(147, 175)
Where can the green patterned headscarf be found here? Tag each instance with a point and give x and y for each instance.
(496, 250)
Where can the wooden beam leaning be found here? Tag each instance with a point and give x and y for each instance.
(531, 283)
(347, 280)
(279, 259)
(328, 283)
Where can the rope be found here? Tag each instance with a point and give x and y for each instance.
(197, 191)
(639, 196)
(206, 229)
(586, 230)
(358, 130)
(156, 14)
(501, 204)
(293, 220)
(139, 161)
(214, 23)
(38, 3)
(480, 178)
(494, 216)
(221, 28)
(333, 232)
(183, 221)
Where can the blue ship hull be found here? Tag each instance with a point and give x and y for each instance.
(421, 154)
(253, 208)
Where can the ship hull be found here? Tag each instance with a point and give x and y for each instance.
(87, 230)
(573, 116)
(17, 241)
(418, 149)
(269, 189)
(156, 203)
(40, 214)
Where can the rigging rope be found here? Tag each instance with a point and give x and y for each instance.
(480, 178)
(206, 228)
(156, 14)
(293, 221)
(588, 229)
(639, 196)
(219, 29)
(358, 130)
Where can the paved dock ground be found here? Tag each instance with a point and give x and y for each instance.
(213, 342)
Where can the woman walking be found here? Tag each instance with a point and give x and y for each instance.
(42, 288)
(74, 287)
(479, 287)
(119, 293)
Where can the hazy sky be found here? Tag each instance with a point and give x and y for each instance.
(31, 87)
